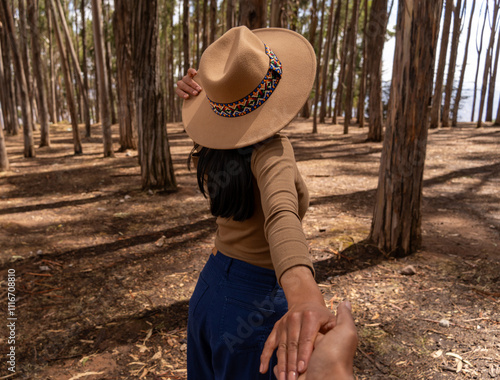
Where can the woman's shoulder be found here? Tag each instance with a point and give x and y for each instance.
(275, 149)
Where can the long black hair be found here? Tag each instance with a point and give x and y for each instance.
(225, 177)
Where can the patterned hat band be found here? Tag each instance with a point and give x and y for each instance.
(257, 97)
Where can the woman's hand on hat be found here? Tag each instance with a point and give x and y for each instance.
(295, 333)
(187, 86)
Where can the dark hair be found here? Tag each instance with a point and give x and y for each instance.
(226, 176)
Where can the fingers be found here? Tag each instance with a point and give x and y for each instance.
(310, 327)
(291, 339)
(344, 316)
(269, 347)
(187, 86)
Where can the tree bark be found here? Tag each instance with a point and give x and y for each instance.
(336, 29)
(456, 105)
(8, 21)
(230, 12)
(351, 68)
(318, 63)
(457, 22)
(253, 13)
(4, 160)
(204, 25)
(185, 34)
(122, 19)
(340, 84)
(107, 51)
(76, 63)
(23, 47)
(479, 50)
(491, 87)
(326, 62)
(102, 79)
(9, 105)
(362, 79)
(88, 131)
(154, 151)
(213, 21)
(278, 14)
(39, 74)
(52, 80)
(438, 89)
(487, 64)
(70, 97)
(396, 226)
(306, 113)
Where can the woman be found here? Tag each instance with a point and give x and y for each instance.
(257, 291)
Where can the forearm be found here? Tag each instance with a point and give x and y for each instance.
(299, 286)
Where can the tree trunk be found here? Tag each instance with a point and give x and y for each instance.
(70, 97)
(396, 226)
(230, 12)
(88, 131)
(491, 87)
(154, 151)
(458, 96)
(9, 105)
(438, 88)
(351, 68)
(185, 34)
(318, 63)
(23, 47)
(4, 103)
(306, 113)
(108, 55)
(8, 21)
(479, 50)
(326, 62)
(253, 13)
(213, 21)
(170, 71)
(340, 84)
(39, 74)
(52, 74)
(278, 14)
(362, 85)
(487, 64)
(102, 78)
(336, 29)
(457, 23)
(204, 25)
(122, 19)
(4, 160)
(76, 63)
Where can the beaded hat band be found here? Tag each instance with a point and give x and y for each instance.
(257, 97)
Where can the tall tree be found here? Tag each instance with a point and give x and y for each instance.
(326, 59)
(318, 63)
(312, 39)
(230, 13)
(492, 84)
(108, 55)
(479, 50)
(7, 20)
(487, 64)
(4, 160)
(458, 96)
(185, 34)
(253, 13)
(278, 14)
(396, 226)
(213, 21)
(154, 151)
(438, 88)
(9, 104)
(351, 65)
(70, 96)
(204, 26)
(39, 74)
(52, 77)
(457, 23)
(362, 79)
(102, 79)
(88, 131)
(340, 84)
(74, 59)
(122, 19)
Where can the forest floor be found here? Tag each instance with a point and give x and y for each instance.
(104, 271)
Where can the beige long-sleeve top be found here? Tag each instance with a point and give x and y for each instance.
(273, 237)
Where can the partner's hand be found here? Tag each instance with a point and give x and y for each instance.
(187, 86)
(333, 353)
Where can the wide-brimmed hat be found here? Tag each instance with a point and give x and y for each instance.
(254, 83)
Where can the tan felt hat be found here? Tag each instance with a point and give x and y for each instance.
(254, 83)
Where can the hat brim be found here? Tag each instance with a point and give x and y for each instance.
(298, 61)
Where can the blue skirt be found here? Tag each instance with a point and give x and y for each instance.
(231, 313)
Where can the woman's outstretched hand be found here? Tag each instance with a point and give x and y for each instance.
(187, 86)
(333, 353)
(295, 333)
